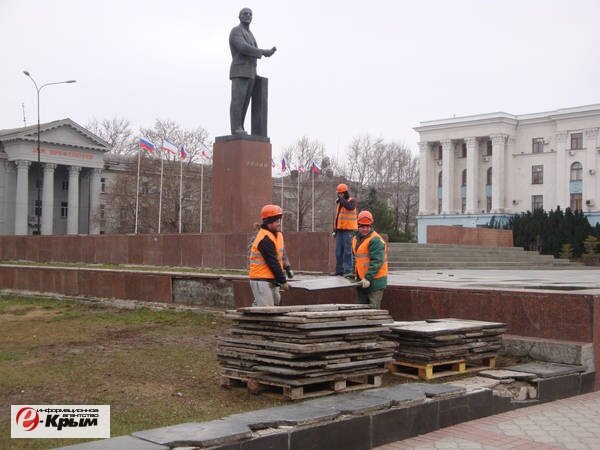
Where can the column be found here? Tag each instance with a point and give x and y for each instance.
(22, 197)
(448, 193)
(424, 178)
(498, 152)
(73, 205)
(472, 175)
(562, 179)
(590, 176)
(94, 218)
(48, 199)
(507, 175)
(3, 199)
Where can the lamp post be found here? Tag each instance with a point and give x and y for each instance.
(38, 203)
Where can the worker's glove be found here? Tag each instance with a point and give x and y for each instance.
(289, 272)
(365, 283)
(284, 287)
(333, 234)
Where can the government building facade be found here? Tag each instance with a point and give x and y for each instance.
(477, 167)
(68, 179)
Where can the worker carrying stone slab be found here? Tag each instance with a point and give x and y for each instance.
(268, 259)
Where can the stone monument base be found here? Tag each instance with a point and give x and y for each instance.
(241, 182)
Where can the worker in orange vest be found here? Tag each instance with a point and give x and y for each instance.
(370, 261)
(344, 228)
(268, 259)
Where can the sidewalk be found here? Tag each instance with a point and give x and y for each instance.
(572, 423)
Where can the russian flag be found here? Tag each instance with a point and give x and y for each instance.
(146, 145)
(182, 153)
(283, 165)
(300, 169)
(170, 147)
(315, 168)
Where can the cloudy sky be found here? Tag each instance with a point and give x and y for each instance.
(343, 67)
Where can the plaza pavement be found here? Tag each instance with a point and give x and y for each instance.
(572, 423)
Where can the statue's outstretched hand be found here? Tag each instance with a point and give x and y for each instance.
(269, 52)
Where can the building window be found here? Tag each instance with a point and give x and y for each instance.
(37, 208)
(65, 185)
(103, 185)
(439, 153)
(101, 211)
(576, 171)
(537, 202)
(463, 205)
(38, 183)
(463, 150)
(488, 180)
(440, 179)
(488, 148)
(576, 141)
(576, 204)
(463, 181)
(537, 145)
(64, 209)
(488, 204)
(537, 174)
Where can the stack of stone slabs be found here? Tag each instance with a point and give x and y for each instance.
(304, 346)
(439, 340)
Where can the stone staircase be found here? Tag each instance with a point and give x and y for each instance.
(407, 256)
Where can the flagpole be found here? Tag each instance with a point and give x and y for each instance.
(312, 174)
(180, 189)
(298, 205)
(137, 193)
(201, 192)
(282, 174)
(162, 163)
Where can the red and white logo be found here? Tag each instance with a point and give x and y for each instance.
(27, 418)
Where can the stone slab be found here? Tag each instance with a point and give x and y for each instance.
(437, 391)
(506, 374)
(297, 414)
(117, 443)
(473, 383)
(205, 434)
(319, 283)
(555, 388)
(352, 403)
(546, 370)
(399, 395)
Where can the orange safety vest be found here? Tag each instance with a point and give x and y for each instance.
(258, 267)
(345, 219)
(362, 259)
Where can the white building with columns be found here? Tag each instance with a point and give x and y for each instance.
(69, 177)
(477, 167)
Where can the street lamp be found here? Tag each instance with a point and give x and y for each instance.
(38, 203)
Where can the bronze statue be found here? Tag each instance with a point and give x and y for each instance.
(244, 53)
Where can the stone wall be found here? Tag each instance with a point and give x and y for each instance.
(307, 251)
(486, 237)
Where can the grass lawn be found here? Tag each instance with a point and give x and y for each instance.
(153, 367)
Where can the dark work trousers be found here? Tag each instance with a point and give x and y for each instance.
(343, 252)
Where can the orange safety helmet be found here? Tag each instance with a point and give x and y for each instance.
(365, 218)
(341, 188)
(270, 211)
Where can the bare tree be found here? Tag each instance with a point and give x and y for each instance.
(117, 132)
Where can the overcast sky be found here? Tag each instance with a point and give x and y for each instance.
(343, 67)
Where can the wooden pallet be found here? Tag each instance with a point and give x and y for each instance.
(477, 365)
(427, 371)
(281, 390)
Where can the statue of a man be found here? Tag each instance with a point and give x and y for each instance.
(244, 53)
